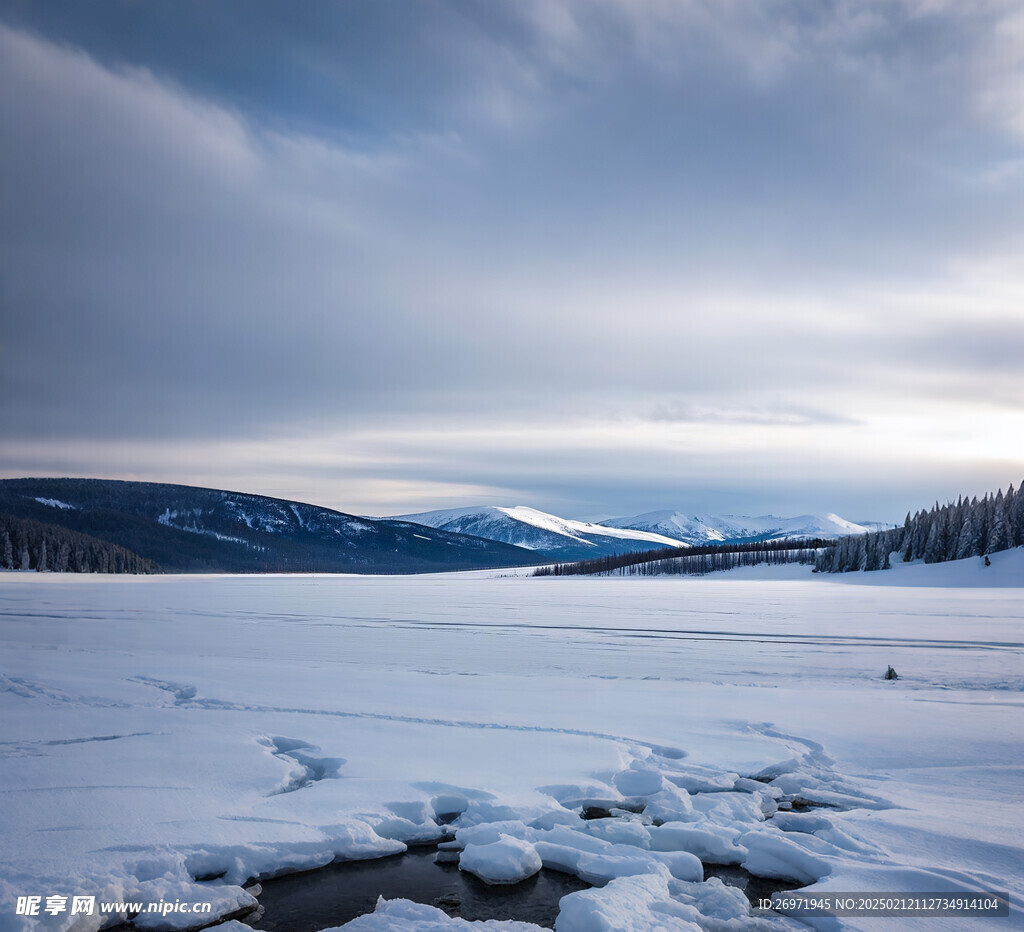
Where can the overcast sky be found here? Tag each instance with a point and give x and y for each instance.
(593, 256)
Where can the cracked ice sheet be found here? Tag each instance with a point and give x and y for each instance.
(139, 715)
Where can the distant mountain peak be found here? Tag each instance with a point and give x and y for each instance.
(565, 538)
(696, 528)
(523, 526)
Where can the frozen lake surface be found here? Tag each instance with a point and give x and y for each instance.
(162, 729)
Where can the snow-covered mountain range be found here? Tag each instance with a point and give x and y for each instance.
(188, 529)
(566, 539)
(711, 529)
(559, 538)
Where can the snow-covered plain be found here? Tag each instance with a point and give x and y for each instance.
(158, 729)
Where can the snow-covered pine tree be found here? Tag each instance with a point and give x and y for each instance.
(999, 534)
(924, 529)
(871, 561)
(947, 533)
(1017, 516)
(967, 541)
(983, 518)
(957, 515)
(933, 553)
(1013, 509)
(909, 530)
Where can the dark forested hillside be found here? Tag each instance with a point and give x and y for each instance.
(194, 530)
(33, 545)
(949, 532)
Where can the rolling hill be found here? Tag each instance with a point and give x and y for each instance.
(195, 530)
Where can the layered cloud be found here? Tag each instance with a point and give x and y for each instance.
(588, 255)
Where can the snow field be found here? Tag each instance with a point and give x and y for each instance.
(156, 731)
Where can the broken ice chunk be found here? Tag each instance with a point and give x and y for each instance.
(505, 861)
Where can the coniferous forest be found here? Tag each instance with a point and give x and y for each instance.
(691, 561)
(34, 545)
(969, 528)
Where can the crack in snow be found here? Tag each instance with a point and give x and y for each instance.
(306, 769)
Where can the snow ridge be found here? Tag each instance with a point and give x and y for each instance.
(565, 538)
(704, 528)
(56, 503)
(537, 530)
